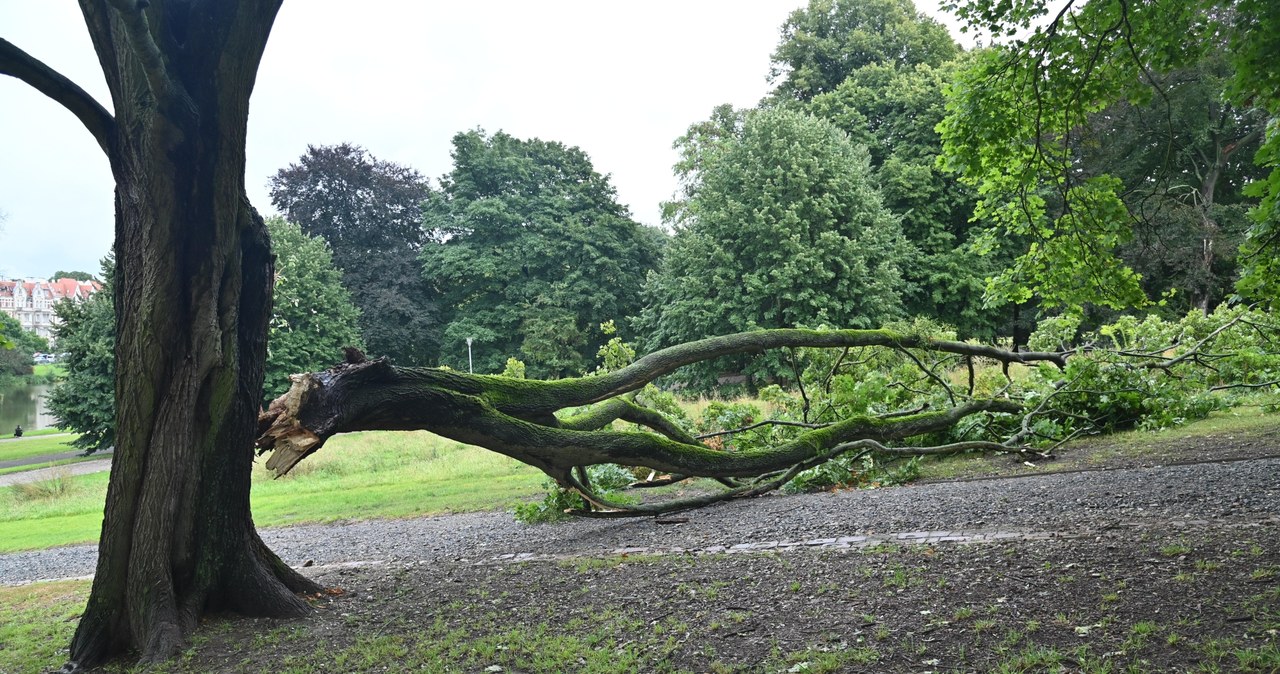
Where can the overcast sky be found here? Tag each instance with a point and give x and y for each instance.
(401, 77)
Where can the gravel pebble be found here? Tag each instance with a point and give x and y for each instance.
(1240, 492)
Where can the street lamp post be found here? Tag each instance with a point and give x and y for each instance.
(469, 370)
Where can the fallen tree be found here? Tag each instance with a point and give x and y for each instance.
(1147, 372)
(936, 396)
(563, 426)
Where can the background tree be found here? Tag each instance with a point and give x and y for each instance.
(193, 300)
(1018, 117)
(1184, 157)
(783, 228)
(827, 40)
(84, 400)
(16, 347)
(311, 320)
(894, 110)
(312, 317)
(77, 275)
(534, 251)
(370, 213)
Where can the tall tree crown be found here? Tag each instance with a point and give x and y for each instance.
(535, 251)
(827, 40)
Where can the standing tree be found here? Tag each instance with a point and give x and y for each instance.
(84, 401)
(534, 252)
(16, 347)
(370, 213)
(193, 294)
(77, 275)
(827, 40)
(1018, 122)
(312, 319)
(1185, 157)
(782, 228)
(894, 109)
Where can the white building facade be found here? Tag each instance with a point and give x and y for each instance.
(31, 301)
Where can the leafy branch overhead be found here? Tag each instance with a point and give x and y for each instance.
(1043, 125)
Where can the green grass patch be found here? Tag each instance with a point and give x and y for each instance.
(1100, 451)
(39, 445)
(26, 434)
(356, 476)
(36, 624)
(49, 372)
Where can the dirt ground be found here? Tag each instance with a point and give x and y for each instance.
(1087, 592)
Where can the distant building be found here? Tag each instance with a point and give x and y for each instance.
(31, 301)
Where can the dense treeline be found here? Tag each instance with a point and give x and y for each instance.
(16, 348)
(834, 202)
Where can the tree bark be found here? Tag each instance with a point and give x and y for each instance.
(193, 296)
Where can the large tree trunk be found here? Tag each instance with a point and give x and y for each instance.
(193, 298)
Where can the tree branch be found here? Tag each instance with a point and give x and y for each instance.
(773, 422)
(152, 60)
(582, 391)
(376, 396)
(625, 409)
(99, 122)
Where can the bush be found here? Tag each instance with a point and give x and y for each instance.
(607, 480)
(1114, 391)
(855, 473)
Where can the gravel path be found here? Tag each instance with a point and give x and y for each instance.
(1241, 493)
(46, 458)
(68, 469)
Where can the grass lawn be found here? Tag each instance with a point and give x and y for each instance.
(356, 476)
(36, 624)
(39, 444)
(1103, 450)
(50, 371)
(33, 434)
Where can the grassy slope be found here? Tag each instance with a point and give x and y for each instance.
(41, 443)
(1119, 448)
(36, 624)
(356, 476)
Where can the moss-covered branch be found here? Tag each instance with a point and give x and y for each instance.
(574, 392)
(376, 396)
(517, 417)
(627, 409)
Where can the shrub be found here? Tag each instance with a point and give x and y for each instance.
(606, 479)
(56, 485)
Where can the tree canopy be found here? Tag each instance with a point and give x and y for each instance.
(84, 400)
(534, 252)
(312, 319)
(1018, 118)
(370, 213)
(16, 347)
(894, 110)
(783, 228)
(825, 41)
(77, 275)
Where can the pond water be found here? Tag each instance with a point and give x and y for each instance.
(24, 405)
